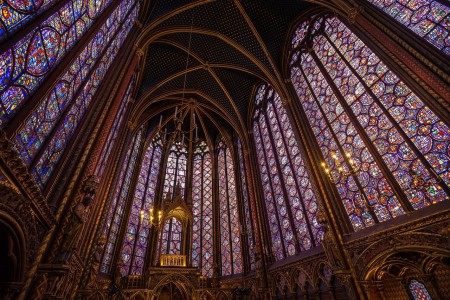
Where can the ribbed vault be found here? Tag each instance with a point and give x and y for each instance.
(232, 46)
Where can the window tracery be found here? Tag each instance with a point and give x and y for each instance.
(229, 216)
(202, 238)
(356, 105)
(291, 203)
(27, 63)
(138, 228)
(42, 140)
(118, 202)
(426, 18)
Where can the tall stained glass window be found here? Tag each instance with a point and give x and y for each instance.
(176, 169)
(43, 139)
(202, 238)
(358, 107)
(230, 235)
(427, 18)
(291, 203)
(27, 63)
(418, 290)
(137, 232)
(247, 206)
(112, 136)
(171, 237)
(118, 202)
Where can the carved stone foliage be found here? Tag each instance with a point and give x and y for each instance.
(60, 278)
(21, 211)
(311, 271)
(417, 244)
(18, 169)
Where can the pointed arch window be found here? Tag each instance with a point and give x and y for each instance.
(171, 237)
(176, 169)
(290, 199)
(118, 202)
(138, 228)
(47, 131)
(356, 105)
(28, 62)
(230, 228)
(418, 290)
(426, 18)
(202, 238)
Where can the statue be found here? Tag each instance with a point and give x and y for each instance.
(95, 265)
(118, 273)
(76, 223)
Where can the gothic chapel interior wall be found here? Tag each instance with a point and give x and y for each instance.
(225, 149)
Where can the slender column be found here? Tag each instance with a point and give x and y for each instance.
(101, 142)
(240, 204)
(336, 218)
(49, 238)
(154, 231)
(108, 86)
(216, 217)
(129, 202)
(262, 236)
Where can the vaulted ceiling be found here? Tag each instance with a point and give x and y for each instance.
(232, 46)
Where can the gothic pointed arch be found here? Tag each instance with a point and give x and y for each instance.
(383, 147)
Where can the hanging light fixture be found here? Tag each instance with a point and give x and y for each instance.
(178, 133)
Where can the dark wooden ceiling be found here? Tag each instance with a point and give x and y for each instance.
(233, 46)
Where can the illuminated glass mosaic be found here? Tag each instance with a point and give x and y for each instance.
(426, 18)
(118, 201)
(138, 228)
(230, 237)
(60, 113)
(418, 290)
(202, 238)
(25, 66)
(290, 199)
(356, 106)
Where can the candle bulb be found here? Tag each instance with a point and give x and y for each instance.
(160, 120)
(196, 132)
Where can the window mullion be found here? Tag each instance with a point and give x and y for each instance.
(271, 188)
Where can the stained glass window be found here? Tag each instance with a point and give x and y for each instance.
(171, 237)
(356, 106)
(230, 236)
(247, 206)
(118, 201)
(16, 13)
(28, 62)
(202, 238)
(426, 18)
(291, 203)
(176, 169)
(61, 112)
(418, 290)
(112, 136)
(138, 228)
